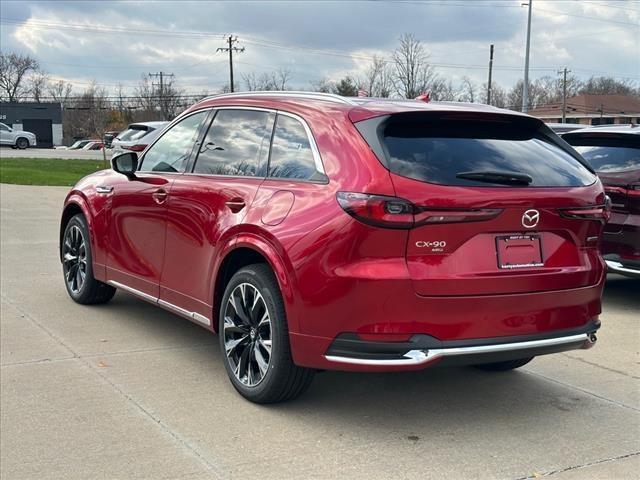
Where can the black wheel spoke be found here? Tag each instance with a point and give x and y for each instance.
(247, 334)
(74, 259)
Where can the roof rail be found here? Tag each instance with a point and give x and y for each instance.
(330, 97)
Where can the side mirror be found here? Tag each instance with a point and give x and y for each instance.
(126, 164)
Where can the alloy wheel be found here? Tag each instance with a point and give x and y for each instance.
(247, 334)
(74, 259)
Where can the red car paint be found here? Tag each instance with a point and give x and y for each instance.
(169, 235)
(621, 239)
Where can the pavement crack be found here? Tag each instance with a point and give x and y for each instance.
(600, 366)
(609, 400)
(577, 467)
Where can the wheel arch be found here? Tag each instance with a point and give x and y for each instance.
(248, 250)
(21, 137)
(74, 206)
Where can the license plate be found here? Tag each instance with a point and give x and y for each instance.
(519, 251)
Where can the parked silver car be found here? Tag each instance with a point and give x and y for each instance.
(16, 138)
(137, 136)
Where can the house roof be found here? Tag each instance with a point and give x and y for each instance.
(588, 105)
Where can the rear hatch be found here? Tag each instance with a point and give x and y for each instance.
(500, 204)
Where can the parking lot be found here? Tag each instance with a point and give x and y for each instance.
(127, 390)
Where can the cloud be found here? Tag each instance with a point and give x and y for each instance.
(118, 42)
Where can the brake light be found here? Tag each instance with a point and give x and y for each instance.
(377, 210)
(600, 213)
(135, 148)
(392, 212)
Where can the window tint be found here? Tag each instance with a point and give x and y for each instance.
(291, 154)
(171, 152)
(237, 143)
(611, 159)
(437, 150)
(3, 127)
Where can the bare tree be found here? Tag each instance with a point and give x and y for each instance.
(276, 80)
(158, 102)
(498, 95)
(323, 85)
(281, 77)
(87, 115)
(60, 91)
(442, 90)
(413, 74)
(37, 84)
(609, 86)
(14, 68)
(468, 90)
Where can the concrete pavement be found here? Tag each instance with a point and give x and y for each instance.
(127, 390)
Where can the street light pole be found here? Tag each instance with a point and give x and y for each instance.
(525, 87)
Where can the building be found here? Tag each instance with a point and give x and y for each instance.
(42, 119)
(592, 110)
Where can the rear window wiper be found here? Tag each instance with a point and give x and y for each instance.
(506, 178)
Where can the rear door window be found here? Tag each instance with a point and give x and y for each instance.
(291, 153)
(438, 150)
(237, 144)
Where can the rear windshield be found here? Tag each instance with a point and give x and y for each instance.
(438, 150)
(611, 159)
(135, 132)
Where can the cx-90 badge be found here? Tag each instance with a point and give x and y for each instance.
(530, 218)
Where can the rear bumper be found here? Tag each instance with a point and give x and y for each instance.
(623, 267)
(423, 350)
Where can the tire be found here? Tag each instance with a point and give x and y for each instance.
(77, 267)
(22, 143)
(248, 336)
(504, 366)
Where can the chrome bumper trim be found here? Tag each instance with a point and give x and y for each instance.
(422, 357)
(617, 267)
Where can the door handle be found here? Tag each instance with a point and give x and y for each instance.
(160, 196)
(104, 189)
(235, 205)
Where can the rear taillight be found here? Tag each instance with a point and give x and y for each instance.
(134, 148)
(393, 212)
(377, 210)
(601, 213)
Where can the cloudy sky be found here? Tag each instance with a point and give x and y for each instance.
(118, 42)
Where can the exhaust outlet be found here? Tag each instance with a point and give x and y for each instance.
(591, 341)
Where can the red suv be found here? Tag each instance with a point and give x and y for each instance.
(614, 152)
(314, 232)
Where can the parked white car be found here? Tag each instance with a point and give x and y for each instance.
(16, 138)
(137, 136)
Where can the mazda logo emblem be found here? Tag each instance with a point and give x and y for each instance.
(530, 218)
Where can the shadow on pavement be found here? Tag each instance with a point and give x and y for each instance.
(622, 291)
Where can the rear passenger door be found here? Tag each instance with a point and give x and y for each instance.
(207, 202)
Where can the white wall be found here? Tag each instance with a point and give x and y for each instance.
(56, 130)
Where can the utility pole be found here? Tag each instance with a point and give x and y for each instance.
(231, 49)
(161, 90)
(564, 72)
(525, 87)
(490, 71)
